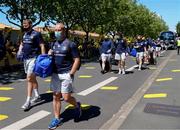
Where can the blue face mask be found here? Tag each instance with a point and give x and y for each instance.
(58, 35)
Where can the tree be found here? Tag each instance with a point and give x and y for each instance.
(102, 16)
(178, 28)
(96, 15)
(66, 12)
(88, 12)
(134, 19)
(18, 10)
(108, 15)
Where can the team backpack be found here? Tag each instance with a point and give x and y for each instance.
(43, 66)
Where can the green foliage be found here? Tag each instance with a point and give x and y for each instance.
(102, 16)
(178, 28)
(17, 10)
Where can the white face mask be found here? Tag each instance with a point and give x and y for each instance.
(58, 35)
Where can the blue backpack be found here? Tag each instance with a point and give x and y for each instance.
(43, 66)
(133, 52)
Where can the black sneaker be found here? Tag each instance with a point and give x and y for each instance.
(102, 71)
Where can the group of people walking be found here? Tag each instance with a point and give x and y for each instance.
(66, 61)
(146, 51)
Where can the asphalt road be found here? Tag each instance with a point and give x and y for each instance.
(102, 98)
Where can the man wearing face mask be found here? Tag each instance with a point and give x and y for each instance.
(66, 62)
(106, 53)
(31, 46)
(139, 45)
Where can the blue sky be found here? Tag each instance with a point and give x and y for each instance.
(169, 10)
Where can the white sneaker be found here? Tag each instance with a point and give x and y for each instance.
(119, 72)
(36, 99)
(139, 69)
(123, 72)
(26, 106)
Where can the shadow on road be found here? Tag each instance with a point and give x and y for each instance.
(11, 74)
(117, 71)
(45, 98)
(144, 67)
(87, 113)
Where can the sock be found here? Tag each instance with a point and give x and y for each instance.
(28, 99)
(36, 92)
(123, 70)
(103, 66)
(120, 70)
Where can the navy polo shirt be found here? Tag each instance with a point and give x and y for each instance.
(121, 47)
(106, 45)
(141, 46)
(63, 53)
(31, 42)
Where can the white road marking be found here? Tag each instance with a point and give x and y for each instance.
(97, 86)
(27, 121)
(132, 68)
(163, 51)
(21, 80)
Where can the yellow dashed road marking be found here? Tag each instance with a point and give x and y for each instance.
(47, 80)
(134, 59)
(83, 106)
(90, 68)
(163, 79)
(49, 91)
(3, 99)
(85, 65)
(6, 88)
(109, 88)
(175, 70)
(85, 76)
(158, 95)
(152, 68)
(3, 117)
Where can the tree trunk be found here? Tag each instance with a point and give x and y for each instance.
(67, 32)
(87, 36)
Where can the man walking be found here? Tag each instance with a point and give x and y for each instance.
(32, 44)
(66, 62)
(106, 53)
(139, 46)
(120, 55)
(178, 45)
